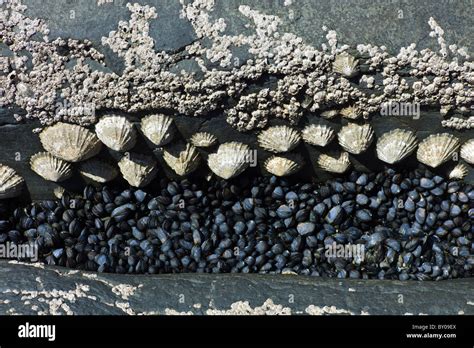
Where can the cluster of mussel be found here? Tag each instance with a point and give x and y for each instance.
(387, 225)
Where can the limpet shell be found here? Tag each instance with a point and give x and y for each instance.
(334, 163)
(459, 172)
(11, 183)
(279, 139)
(116, 132)
(203, 139)
(356, 138)
(346, 65)
(394, 146)
(283, 165)
(70, 142)
(59, 192)
(182, 159)
(138, 170)
(318, 135)
(50, 167)
(230, 160)
(97, 171)
(158, 129)
(437, 149)
(351, 112)
(467, 151)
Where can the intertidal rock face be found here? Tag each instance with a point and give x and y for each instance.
(227, 73)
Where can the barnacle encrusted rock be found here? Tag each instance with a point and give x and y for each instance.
(183, 159)
(283, 165)
(116, 132)
(467, 151)
(394, 146)
(356, 138)
(203, 139)
(138, 170)
(152, 80)
(437, 149)
(318, 134)
(334, 163)
(50, 168)
(97, 171)
(11, 183)
(158, 129)
(279, 139)
(70, 142)
(230, 160)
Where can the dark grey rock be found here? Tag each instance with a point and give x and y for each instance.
(207, 293)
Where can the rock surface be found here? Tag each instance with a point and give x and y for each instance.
(37, 289)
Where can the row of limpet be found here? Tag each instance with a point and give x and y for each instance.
(76, 143)
(67, 143)
(392, 147)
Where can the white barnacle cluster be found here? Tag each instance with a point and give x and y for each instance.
(442, 79)
(57, 82)
(459, 123)
(251, 111)
(36, 67)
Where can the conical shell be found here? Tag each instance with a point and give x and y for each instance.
(10, 182)
(334, 163)
(396, 145)
(351, 112)
(158, 129)
(138, 170)
(467, 151)
(70, 142)
(283, 165)
(116, 132)
(97, 171)
(318, 135)
(459, 172)
(59, 191)
(279, 139)
(182, 159)
(356, 138)
(230, 160)
(50, 168)
(346, 65)
(437, 149)
(203, 139)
